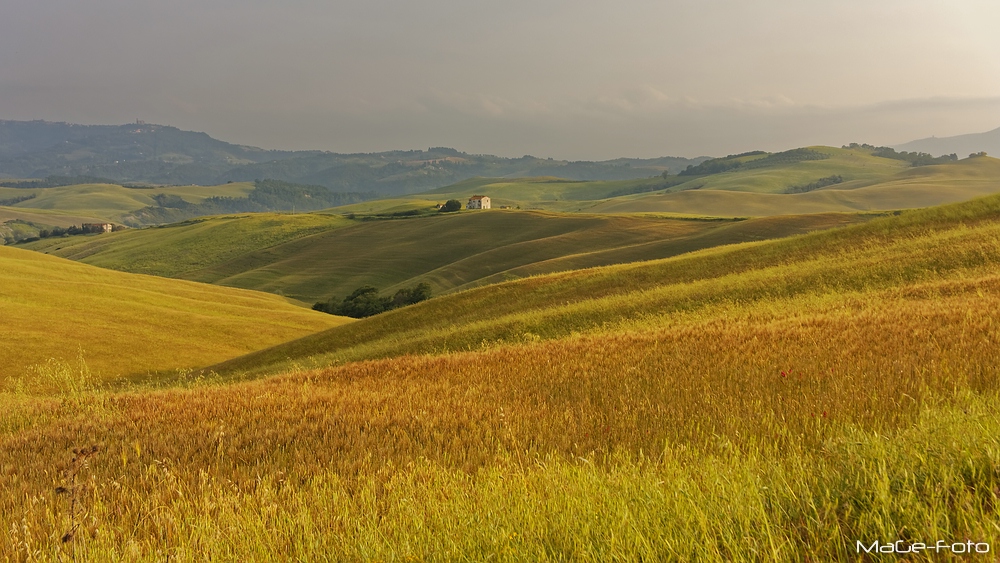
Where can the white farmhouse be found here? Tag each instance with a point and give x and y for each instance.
(478, 202)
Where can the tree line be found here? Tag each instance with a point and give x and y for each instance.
(56, 181)
(365, 301)
(74, 230)
(914, 158)
(821, 183)
(732, 162)
(16, 200)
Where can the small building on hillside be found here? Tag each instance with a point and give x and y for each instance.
(98, 227)
(478, 202)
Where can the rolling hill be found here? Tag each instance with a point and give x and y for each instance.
(27, 210)
(864, 183)
(159, 154)
(910, 188)
(959, 144)
(111, 202)
(312, 257)
(814, 179)
(56, 312)
(939, 243)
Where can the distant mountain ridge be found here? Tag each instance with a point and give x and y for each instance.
(161, 154)
(962, 145)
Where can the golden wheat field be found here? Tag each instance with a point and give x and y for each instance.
(55, 310)
(780, 417)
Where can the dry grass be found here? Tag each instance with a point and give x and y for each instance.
(830, 418)
(54, 311)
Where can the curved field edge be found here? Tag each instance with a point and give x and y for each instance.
(56, 312)
(936, 243)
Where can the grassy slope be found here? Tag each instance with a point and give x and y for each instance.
(857, 168)
(46, 217)
(125, 324)
(550, 193)
(774, 401)
(885, 252)
(176, 249)
(314, 257)
(870, 183)
(915, 187)
(110, 202)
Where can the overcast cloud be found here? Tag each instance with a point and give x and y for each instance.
(580, 79)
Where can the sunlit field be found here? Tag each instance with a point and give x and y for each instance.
(55, 312)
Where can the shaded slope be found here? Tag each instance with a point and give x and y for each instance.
(313, 257)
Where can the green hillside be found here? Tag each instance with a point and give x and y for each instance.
(312, 257)
(23, 224)
(863, 183)
(807, 180)
(33, 209)
(801, 167)
(180, 248)
(856, 167)
(112, 202)
(26, 211)
(554, 194)
(936, 243)
(45, 217)
(164, 155)
(56, 310)
(922, 186)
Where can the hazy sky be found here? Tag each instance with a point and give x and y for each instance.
(569, 79)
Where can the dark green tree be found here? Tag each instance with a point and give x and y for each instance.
(411, 295)
(451, 205)
(365, 301)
